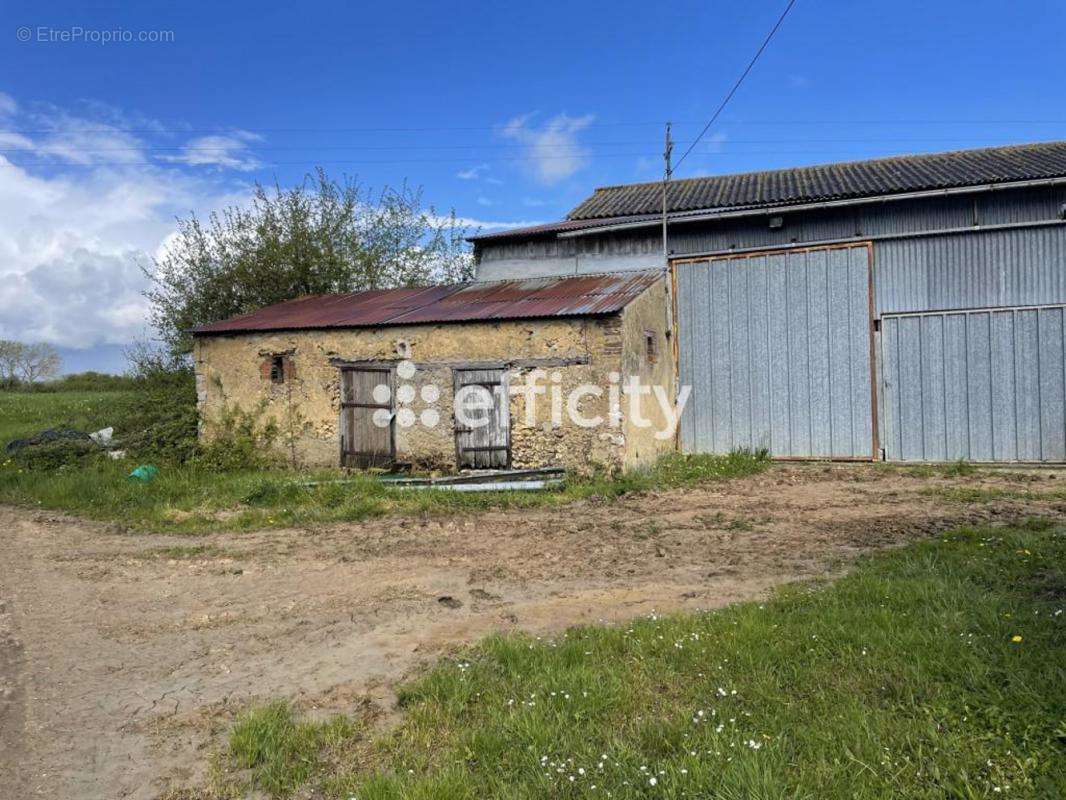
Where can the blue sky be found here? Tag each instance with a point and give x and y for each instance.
(508, 114)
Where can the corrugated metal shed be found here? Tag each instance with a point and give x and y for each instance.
(824, 182)
(590, 295)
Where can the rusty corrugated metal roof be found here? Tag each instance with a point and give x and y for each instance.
(578, 296)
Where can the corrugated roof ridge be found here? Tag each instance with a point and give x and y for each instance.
(853, 162)
(1007, 149)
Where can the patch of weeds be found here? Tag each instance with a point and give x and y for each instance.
(268, 492)
(967, 494)
(678, 469)
(647, 531)
(742, 524)
(1038, 524)
(955, 469)
(722, 521)
(279, 752)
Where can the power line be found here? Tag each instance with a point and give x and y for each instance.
(249, 160)
(429, 129)
(740, 80)
(578, 149)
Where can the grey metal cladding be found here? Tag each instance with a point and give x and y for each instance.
(979, 385)
(971, 270)
(622, 250)
(776, 348)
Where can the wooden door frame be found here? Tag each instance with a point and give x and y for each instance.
(503, 397)
(875, 451)
(363, 459)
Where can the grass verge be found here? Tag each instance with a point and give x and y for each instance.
(194, 499)
(938, 671)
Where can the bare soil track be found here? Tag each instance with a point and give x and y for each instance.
(124, 656)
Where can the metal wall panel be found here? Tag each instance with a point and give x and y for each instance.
(980, 385)
(641, 248)
(776, 348)
(976, 269)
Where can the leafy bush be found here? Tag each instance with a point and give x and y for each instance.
(55, 455)
(161, 420)
(239, 440)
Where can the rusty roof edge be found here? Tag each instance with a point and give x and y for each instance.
(625, 287)
(207, 328)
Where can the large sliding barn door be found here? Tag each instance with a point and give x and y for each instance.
(777, 349)
(483, 419)
(987, 384)
(367, 418)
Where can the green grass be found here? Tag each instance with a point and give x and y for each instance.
(937, 671)
(281, 753)
(953, 469)
(24, 413)
(194, 498)
(970, 494)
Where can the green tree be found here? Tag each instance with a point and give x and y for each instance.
(319, 237)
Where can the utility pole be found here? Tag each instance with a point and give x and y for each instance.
(667, 174)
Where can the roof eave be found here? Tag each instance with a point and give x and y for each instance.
(702, 215)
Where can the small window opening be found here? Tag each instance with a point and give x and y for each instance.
(277, 369)
(651, 347)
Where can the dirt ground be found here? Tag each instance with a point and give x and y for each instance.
(123, 657)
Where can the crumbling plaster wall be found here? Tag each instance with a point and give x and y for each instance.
(650, 316)
(231, 374)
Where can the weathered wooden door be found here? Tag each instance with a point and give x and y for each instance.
(367, 419)
(482, 419)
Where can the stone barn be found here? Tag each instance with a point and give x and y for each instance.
(499, 374)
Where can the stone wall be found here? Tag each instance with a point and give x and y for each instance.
(648, 354)
(235, 371)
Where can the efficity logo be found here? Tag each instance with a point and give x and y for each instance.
(644, 405)
(405, 397)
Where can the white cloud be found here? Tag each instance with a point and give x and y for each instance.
(552, 150)
(475, 224)
(70, 139)
(472, 173)
(228, 151)
(715, 143)
(73, 240)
